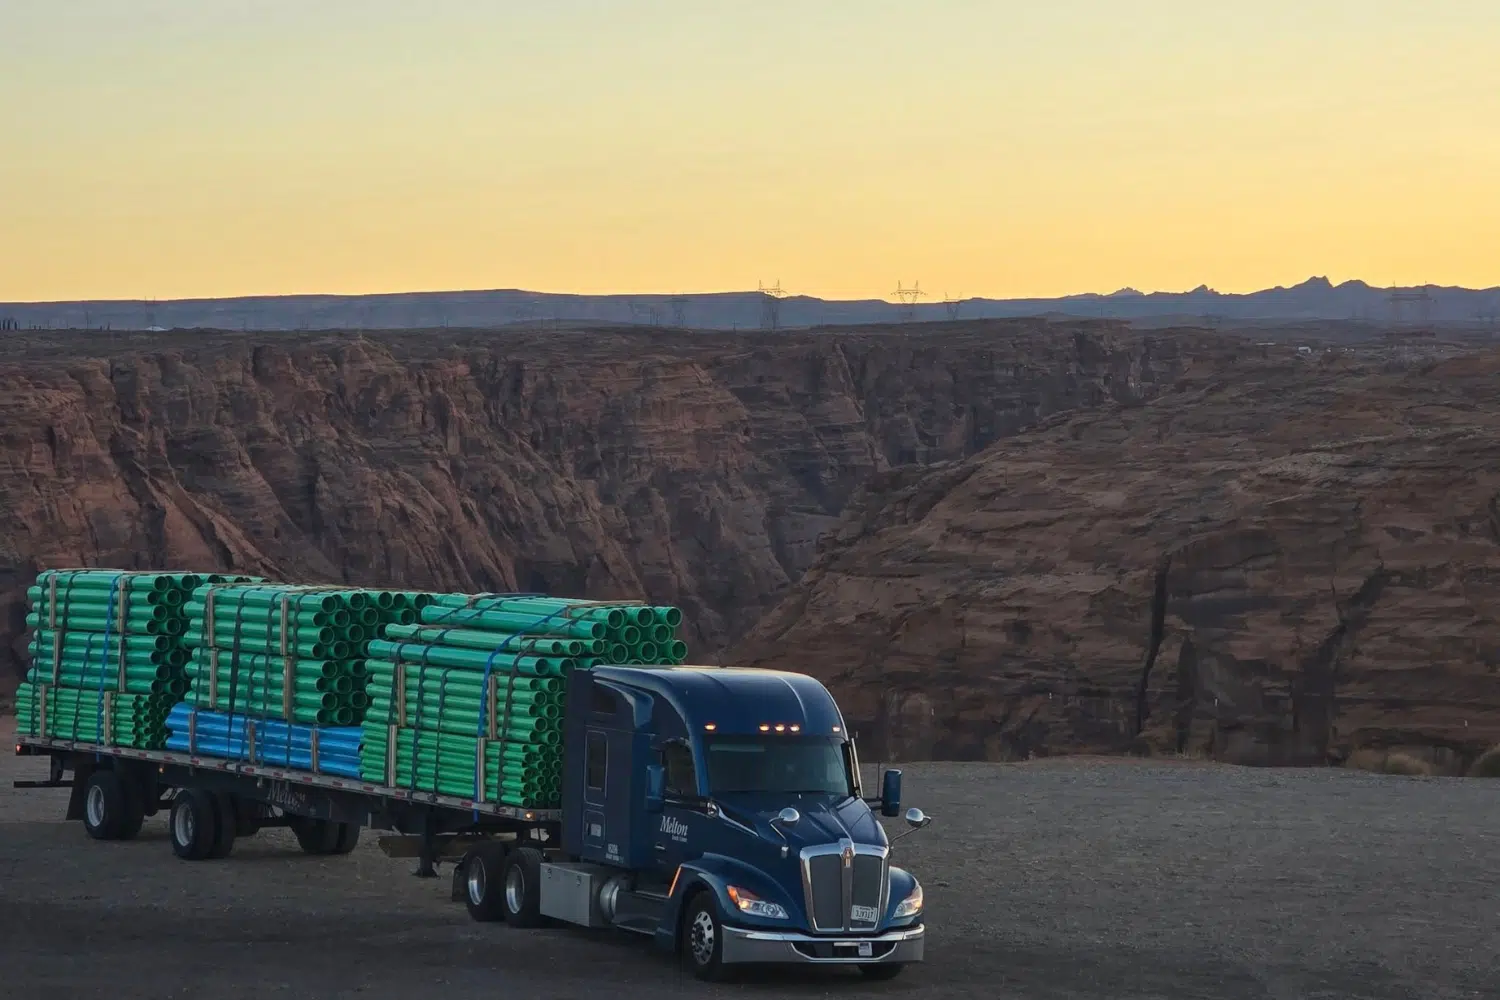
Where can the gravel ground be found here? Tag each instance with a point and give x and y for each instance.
(1087, 879)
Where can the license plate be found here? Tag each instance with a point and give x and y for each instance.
(864, 914)
(866, 949)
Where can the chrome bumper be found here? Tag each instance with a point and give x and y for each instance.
(746, 946)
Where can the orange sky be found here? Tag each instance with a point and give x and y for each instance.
(223, 147)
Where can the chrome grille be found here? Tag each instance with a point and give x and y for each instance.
(825, 875)
(836, 878)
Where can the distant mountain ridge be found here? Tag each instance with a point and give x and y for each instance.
(1314, 299)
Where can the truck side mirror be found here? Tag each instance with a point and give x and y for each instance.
(656, 785)
(890, 793)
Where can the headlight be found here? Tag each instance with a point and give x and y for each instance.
(749, 902)
(911, 905)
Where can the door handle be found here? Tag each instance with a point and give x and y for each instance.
(661, 847)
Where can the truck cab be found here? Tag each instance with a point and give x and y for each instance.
(720, 812)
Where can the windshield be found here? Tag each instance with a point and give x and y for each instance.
(812, 765)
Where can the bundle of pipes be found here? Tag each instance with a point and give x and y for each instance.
(468, 700)
(320, 749)
(107, 654)
(294, 653)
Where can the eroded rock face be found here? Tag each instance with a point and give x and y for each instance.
(695, 469)
(1276, 562)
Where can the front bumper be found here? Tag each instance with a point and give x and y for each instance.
(742, 947)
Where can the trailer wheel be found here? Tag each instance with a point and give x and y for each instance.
(135, 810)
(484, 883)
(882, 971)
(347, 839)
(104, 805)
(226, 825)
(523, 887)
(703, 939)
(192, 824)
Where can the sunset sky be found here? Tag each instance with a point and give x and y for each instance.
(226, 147)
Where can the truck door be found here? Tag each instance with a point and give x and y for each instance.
(674, 836)
(606, 796)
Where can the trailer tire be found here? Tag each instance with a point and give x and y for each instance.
(104, 805)
(226, 826)
(347, 839)
(192, 824)
(314, 836)
(484, 883)
(703, 939)
(881, 971)
(522, 893)
(135, 810)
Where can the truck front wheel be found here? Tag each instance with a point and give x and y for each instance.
(523, 888)
(703, 939)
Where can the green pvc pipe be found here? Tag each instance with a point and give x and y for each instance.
(618, 652)
(671, 617)
(336, 650)
(658, 634)
(505, 621)
(610, 616)
(512, 642)
(45, 638)
(369, 617)
(416, 655)
(645, 652)
(359, 701)
(678, 651)
(295, 631)
(107, 578)
(228, 597)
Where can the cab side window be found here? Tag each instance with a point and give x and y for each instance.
(677, 758)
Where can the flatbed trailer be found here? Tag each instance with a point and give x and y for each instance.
(115, 788)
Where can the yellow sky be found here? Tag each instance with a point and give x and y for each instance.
(221, 147)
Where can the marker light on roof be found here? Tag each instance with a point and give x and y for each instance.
(835, 728)
(710, 726)
(780, 728)
(765, 728)
(796, 729)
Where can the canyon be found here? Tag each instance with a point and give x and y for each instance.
(697, 468)
(1283, 559)
(992, 539)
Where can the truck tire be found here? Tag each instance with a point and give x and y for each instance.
(104, 805)
(135, 810)
(226, 826)
(193, 824)
(347, 838)
(882, 971)
(314, 836)
(484, 883)
(703, 939)
(523, 888)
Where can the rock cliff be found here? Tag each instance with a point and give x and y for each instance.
(1280, 560)
(698, 469)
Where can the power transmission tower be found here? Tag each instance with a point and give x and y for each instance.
(908, 297)
(952, 305)
(679, 310)
(770, 305)
(1420, 297)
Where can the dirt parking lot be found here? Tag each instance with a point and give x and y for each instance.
(1106, 880)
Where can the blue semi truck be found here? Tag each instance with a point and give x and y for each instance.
(718, 811)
